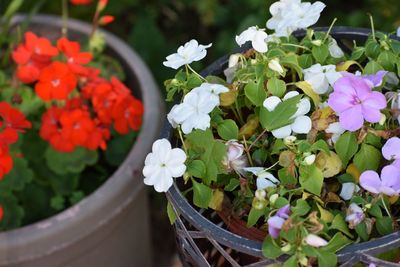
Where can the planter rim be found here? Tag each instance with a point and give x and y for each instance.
(119, 190)
(351, 252)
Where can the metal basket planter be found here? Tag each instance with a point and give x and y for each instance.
(204, 239)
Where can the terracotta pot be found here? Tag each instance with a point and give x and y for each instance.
(110, 227)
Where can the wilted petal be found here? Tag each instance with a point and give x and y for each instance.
(315, 241)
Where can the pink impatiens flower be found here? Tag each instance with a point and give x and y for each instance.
(391, 150)
(388, 183)
(354, 100)
(276, 222)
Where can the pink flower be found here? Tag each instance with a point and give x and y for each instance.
(391, 150)
(276, 222)
(388, 183)
(354, 100)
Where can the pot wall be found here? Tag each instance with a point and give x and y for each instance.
(111, 226)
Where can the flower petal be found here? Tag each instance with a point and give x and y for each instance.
(391, 149)
(301, 125)
(352, 119)
(282, 132)
(370, 181)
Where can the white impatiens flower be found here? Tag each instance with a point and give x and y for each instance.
(320, 77)
(301, 124)
(274, 65)
(256, 36)
(264, 178)
(290, 15)
(212, 89)
(336, 130)
(335, 50)
(186, 54)
(348, 190)
(163, 164)
(193, 112)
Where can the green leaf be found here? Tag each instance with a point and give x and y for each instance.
(362, 231)
(311, 179)
(372, 49)
(384, 225)
(73, 162)
(118, 148)
(286, 177)
(228, 130)
(340, 224)
(320, 145)
(337, 242)
(18, 177)
(368, 158)
(281, 115)
(292, 62)
(301, 208)
(326, 259)
(320, 53)
(375, 210)
(357, 53)
(212, 152)
(385, 59)
(254, 215)
(276, 87)
(372, 67)
(197, 168)
(291, 262)
(12, 8)
(57, 202)
(171, 213)
(305, 61)
(346, 147)
(233, 184)
(255, 92)
(270, 249)
(202, 194)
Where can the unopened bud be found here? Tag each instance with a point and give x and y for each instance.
(186, 177)
(260, 194)
(286, 248)
(317, 42)
(104, 20)
(273, 198)
(276, 66)
(303, 260)
(289, 140)
(383, 119)
(309, 160)
(259, 204)
(101, 5)
(253, 61)
(368, 206)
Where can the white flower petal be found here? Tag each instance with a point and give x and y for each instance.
(335, 50)
(282, 132)
(315, 241)
(348, 190)
(290, 95)
(270, 103)
(263, 183)
(302, 125)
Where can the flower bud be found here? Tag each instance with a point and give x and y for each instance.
(104, 20)
(101, 5)
(273, 198)
(309, 160)
(368, 206)
(383, 119)
(233, 60)
(259, 204)
(317, 42)
(253, 61)
(286, 248)
(289, 140)
(315, 241)
(186, 177)
(260, 194)
(303, 260)
(275, 66)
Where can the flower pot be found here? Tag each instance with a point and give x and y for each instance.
(110, 227)
(204, 239)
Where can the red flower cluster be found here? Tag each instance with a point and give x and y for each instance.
(80, 2)
(91, 104)
(12, 122)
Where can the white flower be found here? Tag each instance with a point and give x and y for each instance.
(163, 164)
(301, 124)
(336, 130)
(290, 15)
(398, 32)
(315, 241)
(310, 159)
(348, 190)
(260, 194)
(256, 36)
(189, 52)
(235, 160)
(264, 178)
(289, 140)
(212, 89)
(320, 77)
(335, 50)
(274, 65)
(193, 112)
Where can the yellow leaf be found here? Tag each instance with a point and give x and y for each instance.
(346, 65)
(393, 199)
(228, 98)
(330, 165)
(307, 89)
(249, 128)
(217, 200)
(326, 216)
(354, 171)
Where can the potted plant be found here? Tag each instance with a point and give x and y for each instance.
(288, 150)
(73, 138)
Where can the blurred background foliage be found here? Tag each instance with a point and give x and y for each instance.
(155, 28)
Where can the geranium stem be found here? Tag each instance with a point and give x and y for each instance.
(64, 29)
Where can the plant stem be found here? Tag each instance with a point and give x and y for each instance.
(181, 137)
(298, 46)
(247, 151)
(258, 137)
(371, 19)
(64, 29)
(329, 30)
(239, 113)
(201, 77)
(386, 208)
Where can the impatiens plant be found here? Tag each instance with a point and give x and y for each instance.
(295, 136)
(66, 120)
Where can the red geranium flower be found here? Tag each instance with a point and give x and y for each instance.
(13, 118)
(80, 2)
(55, 82)
(6, 162)
(1, 213)
(75, 58)
(103, 100)
(32, 56)
(76, 126)
(127, 114)
(98, 137)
